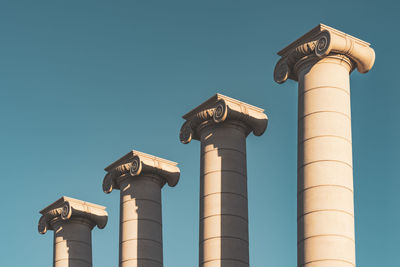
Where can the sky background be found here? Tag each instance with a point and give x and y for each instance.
(84, 82)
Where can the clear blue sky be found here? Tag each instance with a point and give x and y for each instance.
(84, 82)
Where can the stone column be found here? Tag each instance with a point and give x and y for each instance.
(72, 221)
(140, 177)
(222, 124)
(321, 62)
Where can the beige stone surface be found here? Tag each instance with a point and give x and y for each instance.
(222, 124)
(72, 221)
(321, 62)
(140, 177)
(325, 173)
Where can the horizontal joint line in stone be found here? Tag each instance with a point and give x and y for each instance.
(143, 199)
(245, 176)
(142, 259)
(236, 194)
(69, 240)
(348, 213)
(143, 219)
(325, 135)
(74, 259)
(225, 259)
(324, 160)
(139, 239)
(324, 111)
(224, 214)
(223, 237)
(219, 149)
(327, 86)
(327, 235)
(322, 185)
(349, 262)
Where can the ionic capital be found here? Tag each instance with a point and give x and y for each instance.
(219, 109)
(136, 163)
(66, 209)
(320, 42)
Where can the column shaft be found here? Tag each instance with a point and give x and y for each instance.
(325, 175)
(72, 244)
(223, 196)
(140, 222)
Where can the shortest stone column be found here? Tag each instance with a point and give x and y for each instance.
(72, 221)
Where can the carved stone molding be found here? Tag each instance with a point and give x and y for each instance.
(66, 209)
(219, 109)
(136, 163)
(320, 42)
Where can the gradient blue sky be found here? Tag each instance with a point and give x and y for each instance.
(84, 82)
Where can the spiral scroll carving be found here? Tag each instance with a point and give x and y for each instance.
(44, 221)
(320, 46)
(42, 225)
(107, 183)
(110, 179)
(281, 72)
(323, 44)
(66, 211)
(283, 69)
(69, 210)
(217, 114)
(136, 166)
(323, 41)
(186, 133)
(221, 111)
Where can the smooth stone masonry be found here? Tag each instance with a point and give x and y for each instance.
(222, 124)
(72, 221)
(140, 177)
(321, 61)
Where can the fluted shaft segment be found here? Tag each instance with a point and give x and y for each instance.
(325, 169)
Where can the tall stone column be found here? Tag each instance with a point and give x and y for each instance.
(321, 61)
(140, 177)
(72, 221)
(222, 124)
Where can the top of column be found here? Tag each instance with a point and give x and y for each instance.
(136, 163)
(319, 43)
(66, 209)
(218, 109)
